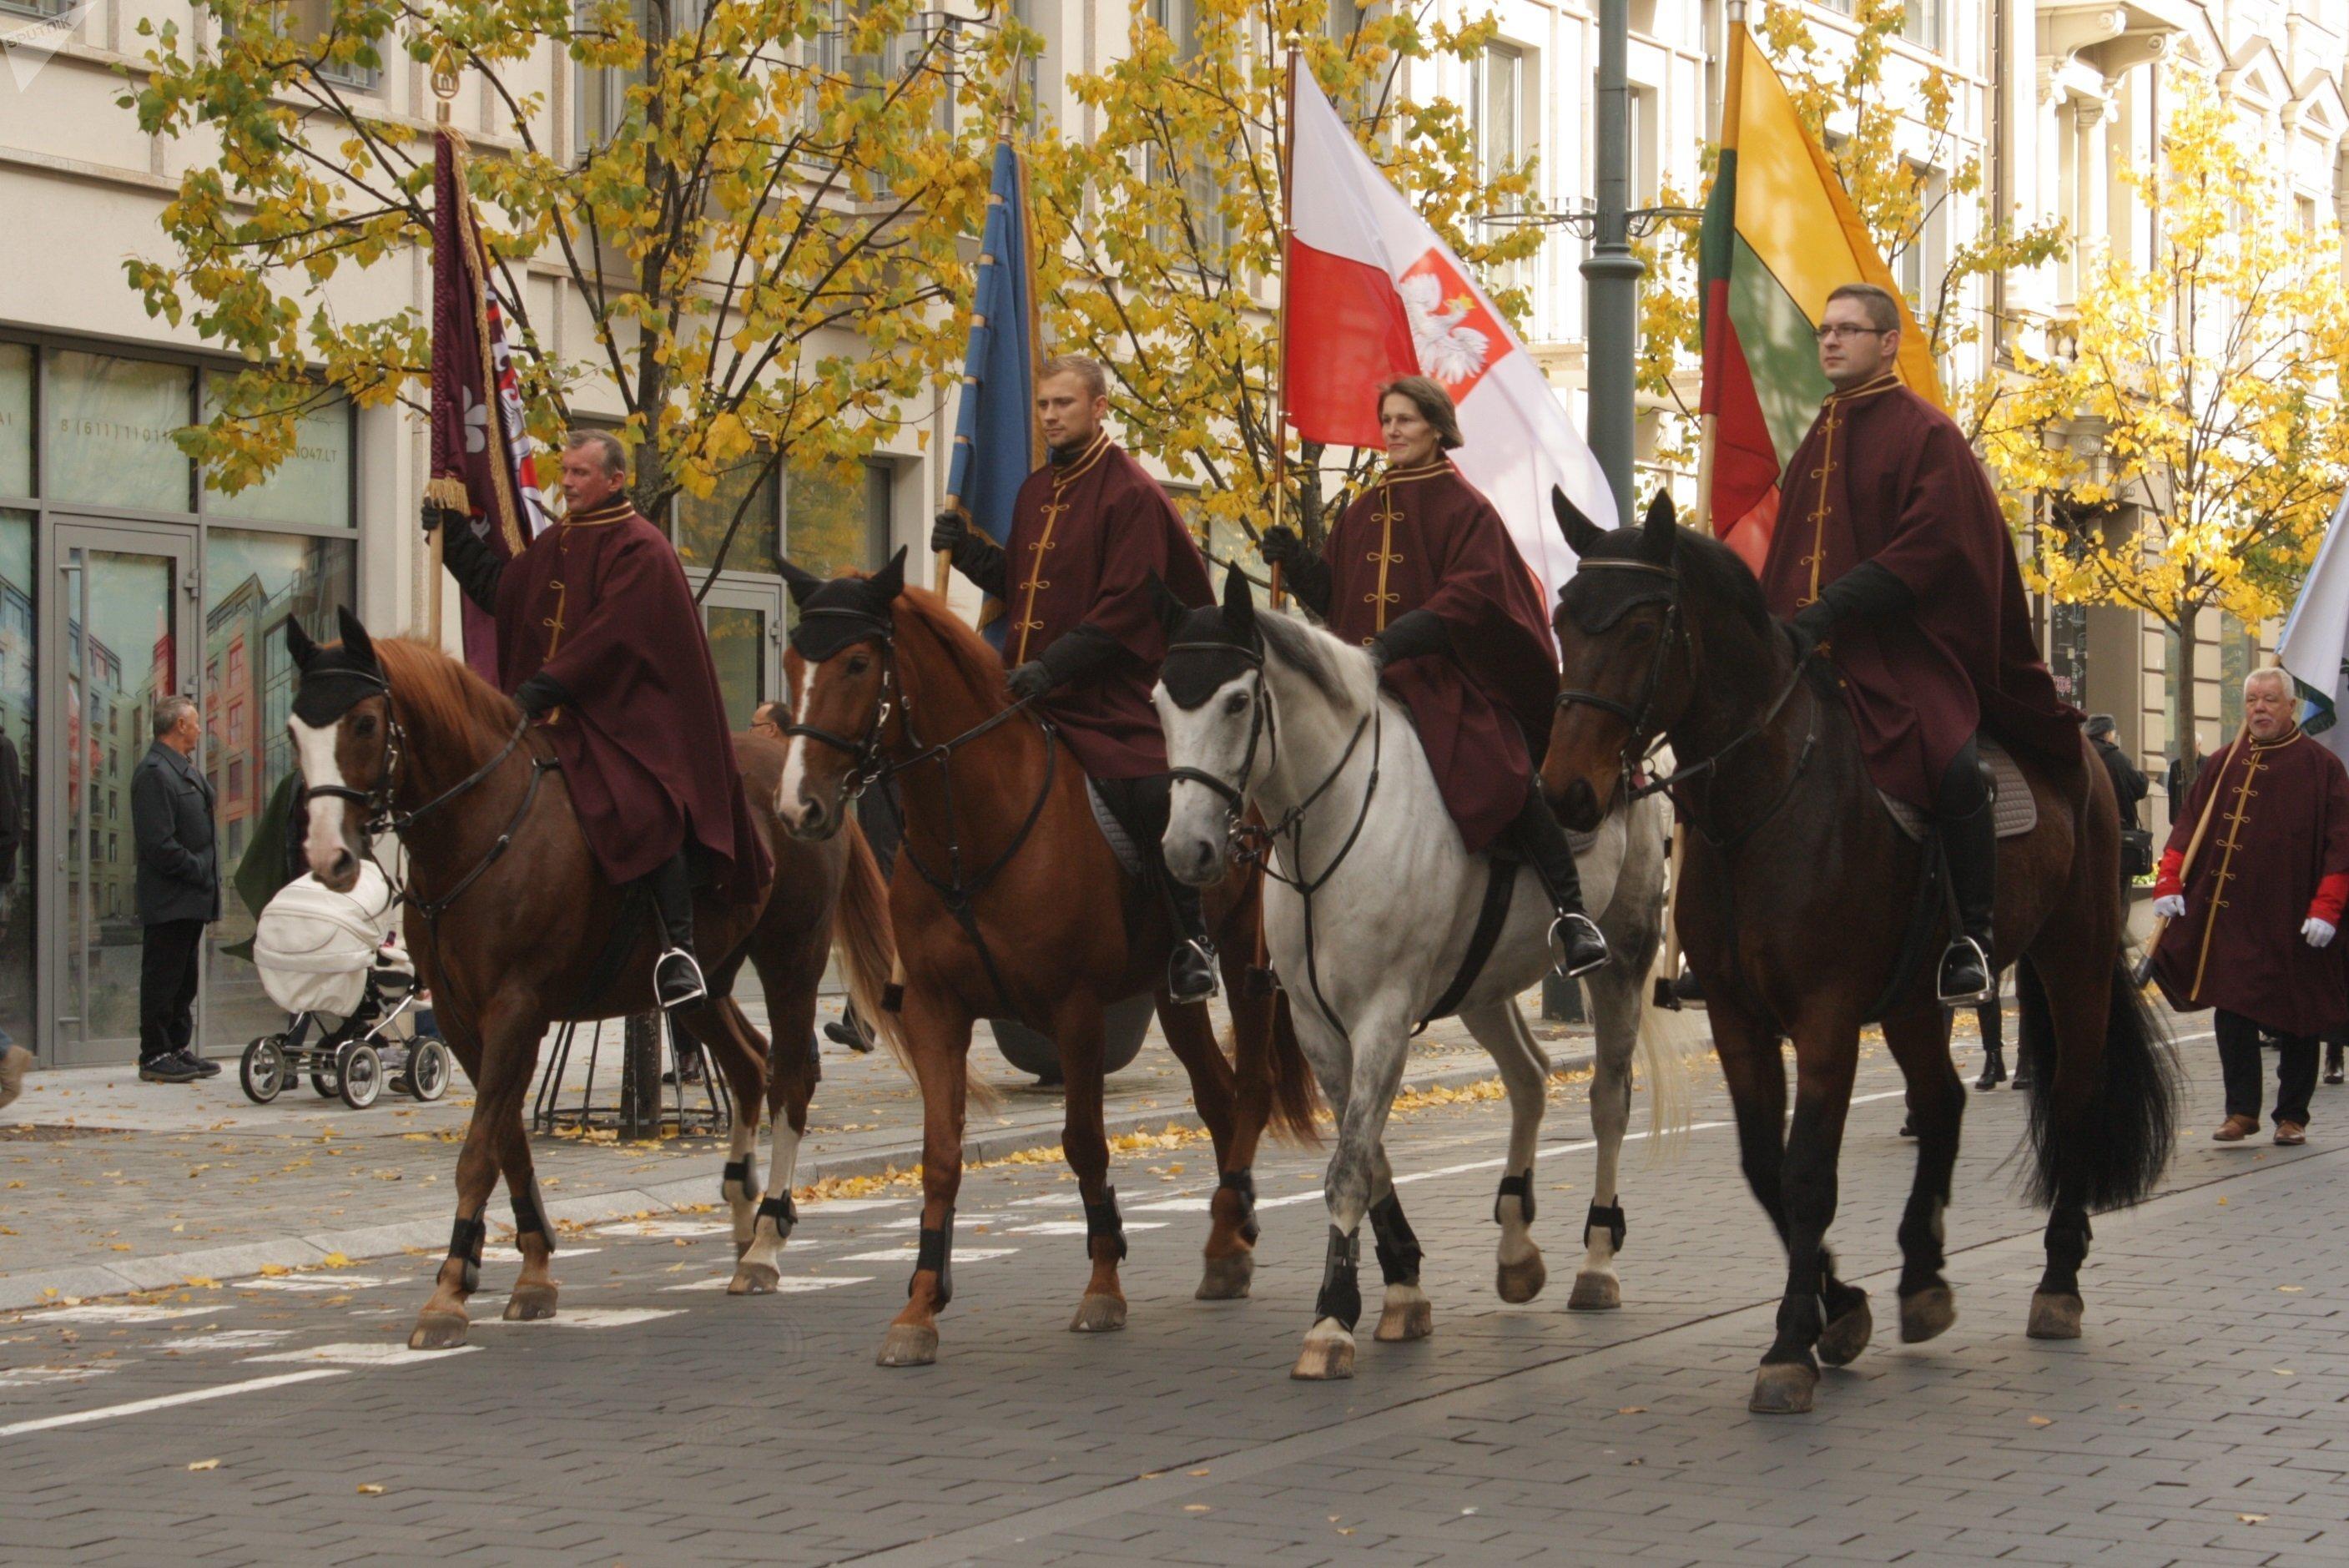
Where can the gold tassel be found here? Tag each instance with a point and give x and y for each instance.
(448, 491)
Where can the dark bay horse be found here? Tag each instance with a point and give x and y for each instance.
(511, 926)
(1008, 901)
(1794, 912)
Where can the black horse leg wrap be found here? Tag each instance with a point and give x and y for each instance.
(1609, 1219)
(465, 1239)
(935, 1253)
(893, 997)
(779, 1209)
(1342, 1296)
(1522, 1187)
(1102, 1219)
(1398, 1249)
(530, 1214)
(737, 1174)
(1243, 1181)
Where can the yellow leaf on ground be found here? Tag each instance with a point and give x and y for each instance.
(334, 1260)
(205, 1465)
(369, 1489)
(2041, 1421)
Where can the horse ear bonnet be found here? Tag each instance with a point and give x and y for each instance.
(336, 678)
(841, 612)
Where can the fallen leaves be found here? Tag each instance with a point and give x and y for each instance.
(205, 1465)
(2041, 1421)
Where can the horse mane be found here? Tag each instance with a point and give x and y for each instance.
(441, 695)
(1720, 573)
(1322, 659)
(977, 665)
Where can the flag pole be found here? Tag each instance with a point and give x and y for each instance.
(1726, 139)
(444, 86)
(1285, 143)
(1006, 117)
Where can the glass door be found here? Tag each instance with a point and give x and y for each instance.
(745, 622)
(121, 608)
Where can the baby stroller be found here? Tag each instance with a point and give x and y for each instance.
(330, 960)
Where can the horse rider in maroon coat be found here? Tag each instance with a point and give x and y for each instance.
(1892, 557)
(601, 645)
(1089, 530)
(1421, 571)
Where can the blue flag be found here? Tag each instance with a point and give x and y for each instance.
(996, 445)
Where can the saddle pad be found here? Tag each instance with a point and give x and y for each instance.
(2014, 809)
(1128, 855)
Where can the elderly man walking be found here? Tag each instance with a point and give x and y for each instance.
(2252, 921)
(178, 891)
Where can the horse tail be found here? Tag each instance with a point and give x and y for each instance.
(2108, 1151)
(1296, 1095)
(1669, 1045)
(867, 945)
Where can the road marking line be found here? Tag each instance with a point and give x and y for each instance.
(782, 1287)
(228, 1339)
(311, 1284)
(907, 1254)
(41, 1376)
(852, 1204)
(129, 1313)
(1175, 1206)
(589, 1317)
(362, 1354)
(193, 1395)
(1077, 1227)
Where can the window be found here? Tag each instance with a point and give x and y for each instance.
(16, 418)
(311, 486)
(750, 488)
(110, 424)
(313, 22)
(1495, 108)
(1202, 196)
(600, 104)
(838, 523)
(1920, 22)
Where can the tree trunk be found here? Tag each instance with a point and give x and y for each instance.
(2179, 748)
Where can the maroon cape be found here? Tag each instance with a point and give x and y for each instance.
(1422, 538)
(600, 603)
(1084, 540)
(1885, 476)
(2281, 825)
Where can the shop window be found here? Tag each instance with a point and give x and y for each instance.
(17, 772)
(312, 486)
(111, 423)
(16, 419)
(838, 522)
(313, 22)
(749, 488)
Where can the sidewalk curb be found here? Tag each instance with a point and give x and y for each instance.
(43, 1287)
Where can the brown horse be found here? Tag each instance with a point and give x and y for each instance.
(1007, 902)
(513, 928)
(1797, 915)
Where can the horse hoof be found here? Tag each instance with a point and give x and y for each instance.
(741, 1245)
(531, 1303)
(2054, 1316)
(1520, 1283)
(1845, 1337)
(1783, 1390)
(1228, 1277)
(1406, 1320)
(908, 1344)
(1927, 1314)
(1099, 1315)
(1325, 1360)
(754, 1280)
(440, 1330)
(1594, 1293)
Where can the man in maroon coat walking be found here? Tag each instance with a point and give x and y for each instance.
(1891, 555)
(1084, 640)
(1421, 572)
(600, 643)
(2250, 923)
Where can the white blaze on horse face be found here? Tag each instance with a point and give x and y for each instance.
(787, 793)
(1213, 738)
(313, 749)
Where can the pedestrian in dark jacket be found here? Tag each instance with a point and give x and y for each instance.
(178, 891)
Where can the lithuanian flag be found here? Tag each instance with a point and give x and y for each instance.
(1779, 233)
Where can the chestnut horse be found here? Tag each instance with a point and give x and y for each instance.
(513, 928)
(1797, 909)
(1008, 901)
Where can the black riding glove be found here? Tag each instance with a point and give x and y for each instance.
(541, 692)
(1868, 592)
(1409, 636)
(1302, 572)
(974, 554)
(1031, 679)
(1281, 546)
(438, 517)
(946, 531)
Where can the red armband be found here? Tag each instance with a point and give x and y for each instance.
(2332, 893)
(2166, 880)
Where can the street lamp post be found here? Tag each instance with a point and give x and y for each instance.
(1611, 271)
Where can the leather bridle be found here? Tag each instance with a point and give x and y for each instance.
(1635, 714)
(1260, 723)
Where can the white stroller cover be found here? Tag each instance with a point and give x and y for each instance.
(314, 945)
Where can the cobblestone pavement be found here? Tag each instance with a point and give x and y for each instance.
(108, 1184)
(2202, 1420)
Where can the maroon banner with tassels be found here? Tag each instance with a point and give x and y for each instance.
(483, 460)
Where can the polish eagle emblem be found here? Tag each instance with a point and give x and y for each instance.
(1453, 333)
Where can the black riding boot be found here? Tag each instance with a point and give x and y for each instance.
(2333, 1074)
(1970, 841)
(1140, 805)
(1574, 945)
(676, 973)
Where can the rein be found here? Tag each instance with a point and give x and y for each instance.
(868, 766)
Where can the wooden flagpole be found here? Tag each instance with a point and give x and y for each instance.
(2193, 848)
(1286, 137)
(444, 86)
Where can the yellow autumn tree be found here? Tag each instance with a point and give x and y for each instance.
(2196, 445)
(1901, 160)
(1159, 238)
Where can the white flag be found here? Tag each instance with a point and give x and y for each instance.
(2315, 647)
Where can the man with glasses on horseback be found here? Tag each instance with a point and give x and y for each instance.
(1892, 559)
(1089, 530)
(1421, 572)
(600, 644)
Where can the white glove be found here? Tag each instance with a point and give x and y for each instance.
(2318, 932)
(2169, 906)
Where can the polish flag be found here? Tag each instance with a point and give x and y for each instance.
(1374, 294)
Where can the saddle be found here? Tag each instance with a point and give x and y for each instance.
(2013, 810)
(1121, 844)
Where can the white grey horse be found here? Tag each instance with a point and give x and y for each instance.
(1369, 911)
